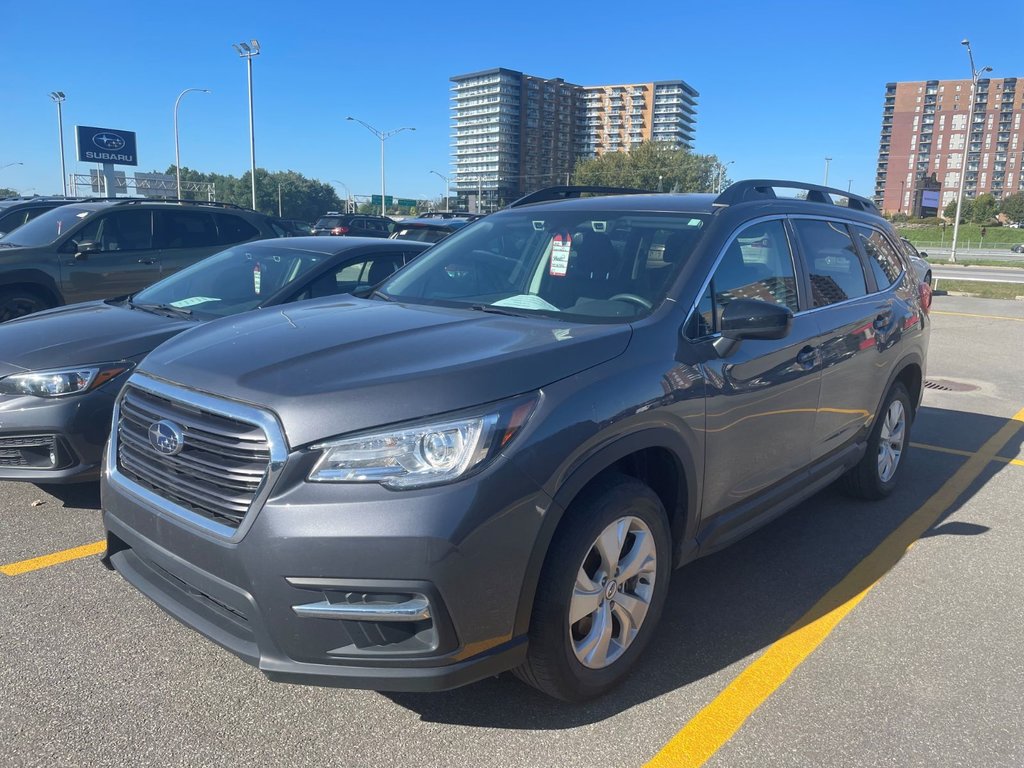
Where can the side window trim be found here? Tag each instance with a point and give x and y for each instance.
(844, 222)
(862, 253)
(790, 240)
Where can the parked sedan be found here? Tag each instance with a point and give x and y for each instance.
(919, 260)
(60, 370)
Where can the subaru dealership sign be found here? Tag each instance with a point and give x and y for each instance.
(106, 145)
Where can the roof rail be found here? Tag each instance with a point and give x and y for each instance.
(139, 200)
(761, 189)
(567, 193)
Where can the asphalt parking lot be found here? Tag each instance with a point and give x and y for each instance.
(845, 633)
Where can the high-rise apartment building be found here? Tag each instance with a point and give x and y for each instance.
(925, 134)
(512, 132)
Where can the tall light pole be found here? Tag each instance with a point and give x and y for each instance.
(383, 136)
(177, 153)
(447, 189)
(58, 97)
(721, 175)
(348, 193)
(827, 161)
(247, 51)
(975, 76)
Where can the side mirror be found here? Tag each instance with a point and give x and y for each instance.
(755, 319)
(84, 248)
(923, 254)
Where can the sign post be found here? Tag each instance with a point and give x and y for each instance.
(108, 147)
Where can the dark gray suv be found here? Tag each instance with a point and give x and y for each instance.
(96, 250)
(496, 459)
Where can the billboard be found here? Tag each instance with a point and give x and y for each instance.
(105, 145)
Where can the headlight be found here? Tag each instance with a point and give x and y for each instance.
(62, 382)
(427, 453)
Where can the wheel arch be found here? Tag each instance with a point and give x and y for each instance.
(35, 280)
(659, 457)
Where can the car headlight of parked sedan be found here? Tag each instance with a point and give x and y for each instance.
(62, 382)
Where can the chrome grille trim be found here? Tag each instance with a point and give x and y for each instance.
(236, 469)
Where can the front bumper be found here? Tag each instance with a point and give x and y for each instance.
(77, 427)
(310, 592)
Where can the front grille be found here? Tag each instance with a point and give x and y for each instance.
(220, 467)
(27, 451)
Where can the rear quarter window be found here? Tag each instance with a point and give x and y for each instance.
(234, 229)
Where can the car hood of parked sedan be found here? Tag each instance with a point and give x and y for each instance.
(339, 365)
(82, 334)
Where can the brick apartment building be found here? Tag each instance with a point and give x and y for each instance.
(513, 132)
(925, 133)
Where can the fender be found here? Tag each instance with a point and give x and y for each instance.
(684, 518)
(34, 278)
(911, 358)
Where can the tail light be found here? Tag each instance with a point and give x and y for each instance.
(339, 230)
(924, 291)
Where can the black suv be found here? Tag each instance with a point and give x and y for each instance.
(353, 225)
(99, 249)
(15, 211)
(497, 458)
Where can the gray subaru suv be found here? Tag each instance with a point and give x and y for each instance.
(496, 459)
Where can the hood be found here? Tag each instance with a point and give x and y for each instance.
(80, 334)
(344, 364)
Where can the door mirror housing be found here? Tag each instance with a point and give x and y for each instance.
(84, 248)
(923, 254)
(755, 319)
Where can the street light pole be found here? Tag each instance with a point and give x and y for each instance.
(827, 161)
(247, 51)
(58, 97)
(721, 175)
(975, 76)
(8, 165)
(177, 153)
(447, 189)
(383, 136)
(348, 193)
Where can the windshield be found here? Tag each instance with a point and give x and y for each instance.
(235, 280)
(329, 222)
(594, 265)
(47, 227)
(420, 234)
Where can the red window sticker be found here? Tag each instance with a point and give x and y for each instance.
(256, 278)
(560, 247)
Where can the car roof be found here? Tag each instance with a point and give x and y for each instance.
(444, 224)
(333, 246)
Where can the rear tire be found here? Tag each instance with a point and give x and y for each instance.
(18, 302)
(878, 472)
(601, 591)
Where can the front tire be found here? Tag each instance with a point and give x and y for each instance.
(18, 302)
(601, 591)
(878, 472)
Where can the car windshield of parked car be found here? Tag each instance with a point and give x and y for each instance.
(420, 234)
(235, 280)
(597, 266)
(47, 227)
(329, 222)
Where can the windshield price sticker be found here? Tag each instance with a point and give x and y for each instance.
(256, 278)
(560, 247)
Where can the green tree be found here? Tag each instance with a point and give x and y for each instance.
(983, 208)
(1013, 207)
(651, 165)
(965, 210)
(7, 192)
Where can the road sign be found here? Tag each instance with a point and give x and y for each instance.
(375, 200)
(106, 145)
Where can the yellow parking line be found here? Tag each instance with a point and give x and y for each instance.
(986, 317)
(958, 452)
(714, 725)
(35, 563)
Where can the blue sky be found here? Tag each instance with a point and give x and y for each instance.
(123, 64)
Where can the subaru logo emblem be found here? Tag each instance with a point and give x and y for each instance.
(166, 437)
(108, 141)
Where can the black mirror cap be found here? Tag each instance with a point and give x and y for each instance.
(923, 254)
(86, 247)
(755, 319)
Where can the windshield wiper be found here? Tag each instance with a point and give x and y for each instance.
(162, 308)
(495, 310)
(379, 294)
(9, 245)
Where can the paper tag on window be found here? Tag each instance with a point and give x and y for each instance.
(256, 278)
(560, 247)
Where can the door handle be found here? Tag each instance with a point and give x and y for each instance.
(807, 356)
(147, 261)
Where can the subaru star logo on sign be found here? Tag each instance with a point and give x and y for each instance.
(106, 145)
(166, 437)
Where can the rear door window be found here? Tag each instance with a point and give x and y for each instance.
(185, 229)
(233, 229)
(883, 259)
(833, 265)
